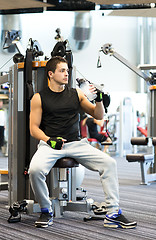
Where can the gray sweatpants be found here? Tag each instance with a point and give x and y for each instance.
(85, 154)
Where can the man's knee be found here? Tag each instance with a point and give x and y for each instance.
(111, 162)
(34, 171)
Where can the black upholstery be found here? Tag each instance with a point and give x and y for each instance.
(139, 157)
(66, 162)
(154, 141)
(139, 141)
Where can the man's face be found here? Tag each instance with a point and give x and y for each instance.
(61, 73)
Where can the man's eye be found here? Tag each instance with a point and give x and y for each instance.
(64, 70)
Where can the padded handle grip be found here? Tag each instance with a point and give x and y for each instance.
(154, 141)
(139, 141)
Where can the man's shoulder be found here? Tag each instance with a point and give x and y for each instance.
(44, 90)
(71, 89)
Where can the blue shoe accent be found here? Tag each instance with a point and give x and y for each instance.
(117, 220)
(44, 210)
(114, 215)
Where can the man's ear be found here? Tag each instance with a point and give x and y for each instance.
(50, 74)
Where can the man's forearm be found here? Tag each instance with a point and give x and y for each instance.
(39, 134)
(99, 111)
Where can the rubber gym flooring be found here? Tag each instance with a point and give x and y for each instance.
(138, 203)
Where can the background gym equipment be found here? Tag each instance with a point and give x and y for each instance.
(3, 179)
(12, 38)
(146, 160)
(151, 130)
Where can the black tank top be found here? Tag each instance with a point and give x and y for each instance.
(60, 113)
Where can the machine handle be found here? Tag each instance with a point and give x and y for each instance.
(139, 141)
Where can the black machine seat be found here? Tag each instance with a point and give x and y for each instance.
(139, 157)
(66, 162)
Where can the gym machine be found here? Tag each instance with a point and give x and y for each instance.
(147, 161)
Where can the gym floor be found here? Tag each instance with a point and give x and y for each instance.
(138, 203)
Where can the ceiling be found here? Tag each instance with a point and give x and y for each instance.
(137, 8)
(26, 6)
(30, 6)
(19, 4)
(134, 12)
(110, 2)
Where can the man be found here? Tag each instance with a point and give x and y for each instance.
(54, 120)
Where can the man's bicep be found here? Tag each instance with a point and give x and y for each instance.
(36, 111)
(87, 107)
(85, 104)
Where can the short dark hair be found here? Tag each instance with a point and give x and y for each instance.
(52, 64)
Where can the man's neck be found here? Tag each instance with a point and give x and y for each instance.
(57, 88)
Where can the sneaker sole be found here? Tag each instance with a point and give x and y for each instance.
(109, 224)
(42, 225)
(118, 226)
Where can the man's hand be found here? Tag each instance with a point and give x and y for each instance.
(56, 142)
(99, 97)
(96, 91)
